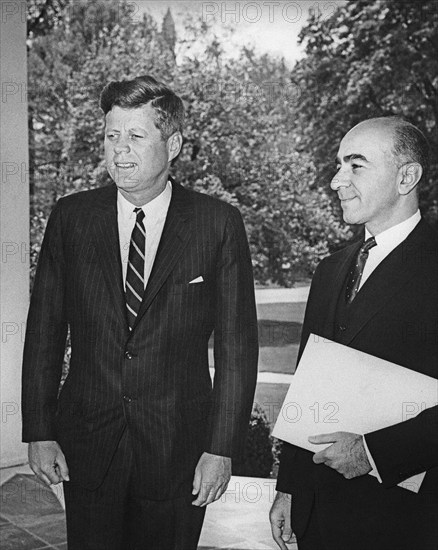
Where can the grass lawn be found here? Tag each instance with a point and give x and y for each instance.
(271, 397)
(290, 311)
(279, 336)
(278, 359)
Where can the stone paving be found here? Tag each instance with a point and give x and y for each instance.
(32, 515)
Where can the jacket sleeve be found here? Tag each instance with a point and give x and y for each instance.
(411, 446)
(46, 332)
(235, 342)
(405, 449)
(288, 451)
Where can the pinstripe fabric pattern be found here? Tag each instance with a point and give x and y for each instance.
(116, 517)
(134, 286)
(154, 379)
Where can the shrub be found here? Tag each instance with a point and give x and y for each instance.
(259, 457)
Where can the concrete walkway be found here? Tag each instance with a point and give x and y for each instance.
(239, 520)
(280, 295)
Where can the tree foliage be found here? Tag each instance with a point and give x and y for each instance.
(238, 146)
(259, 447)
(368, 59)
(258, 135)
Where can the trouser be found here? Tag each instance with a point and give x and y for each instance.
(116, 517)
(312, 538)
(394, 519)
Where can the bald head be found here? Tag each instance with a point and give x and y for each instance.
(407, 143)
(380, 162)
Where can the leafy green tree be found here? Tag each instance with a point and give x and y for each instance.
(368, 59)
(42, 15)
(240, 144)
(81, 49)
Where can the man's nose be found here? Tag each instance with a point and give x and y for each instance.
(122, 146)
(340, 179)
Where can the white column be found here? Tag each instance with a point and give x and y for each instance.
(14, 205)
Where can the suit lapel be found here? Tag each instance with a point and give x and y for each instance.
(105, 237)
(336, 286)
(176, 234)
(321, 310)
(389, 278)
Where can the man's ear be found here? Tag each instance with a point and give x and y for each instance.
(174, 144)
(408, 176)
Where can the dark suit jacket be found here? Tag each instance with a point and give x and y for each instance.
(155, 380)
(396, 319)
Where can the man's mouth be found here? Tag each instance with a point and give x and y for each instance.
(125, 165)
(345, 199)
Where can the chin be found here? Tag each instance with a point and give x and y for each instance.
(352, 218)
(125, 183)
(347, 217)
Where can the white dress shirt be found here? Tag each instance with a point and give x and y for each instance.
(155, 215)
(386, 241)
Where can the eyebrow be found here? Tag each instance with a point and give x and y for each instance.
(138, 129)
(353, 156)
(134, 129)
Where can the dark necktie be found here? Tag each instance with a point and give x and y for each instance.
(357, 270)
(134, 288)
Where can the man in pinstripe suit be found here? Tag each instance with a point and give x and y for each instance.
(141, 272)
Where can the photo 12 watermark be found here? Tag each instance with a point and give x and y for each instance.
(13, 91)
(325, 413)
(269, 12)
(10, 11)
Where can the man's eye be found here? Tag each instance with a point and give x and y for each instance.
(136, 136)
(356, 166)
(111, 136)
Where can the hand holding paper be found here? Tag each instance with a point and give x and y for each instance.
(339, 388)
(347, 455)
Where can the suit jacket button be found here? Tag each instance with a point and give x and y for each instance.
(342, 328)
(127, 399)
(128, 355)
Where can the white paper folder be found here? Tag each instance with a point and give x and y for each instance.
(337, 388)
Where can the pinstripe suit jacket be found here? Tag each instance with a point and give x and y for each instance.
(155, 380)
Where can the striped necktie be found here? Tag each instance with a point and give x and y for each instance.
(357, 270)
(134, 288)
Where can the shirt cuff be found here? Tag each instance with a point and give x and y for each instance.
(374, 470)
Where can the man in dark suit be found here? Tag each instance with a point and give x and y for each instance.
(378, 297)
(141, 272)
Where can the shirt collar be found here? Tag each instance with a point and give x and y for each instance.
(392, 237)
(155, 207)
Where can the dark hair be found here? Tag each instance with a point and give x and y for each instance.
(129, 94)
(410, 144)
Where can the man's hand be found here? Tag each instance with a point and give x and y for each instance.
(279, 516)
(347, 455)
(48, 462)
(212, 476)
